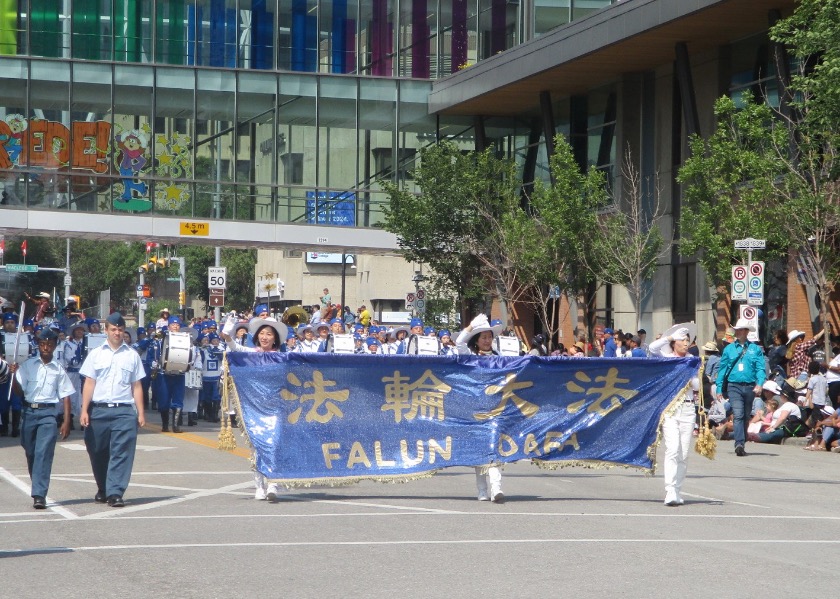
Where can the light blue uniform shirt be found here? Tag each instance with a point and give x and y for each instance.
(114, 373)
(44, 383)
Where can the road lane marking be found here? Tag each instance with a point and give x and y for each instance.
(453, 542)
(51, 505)
(167, 502)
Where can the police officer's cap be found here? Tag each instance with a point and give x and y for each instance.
(116, 319)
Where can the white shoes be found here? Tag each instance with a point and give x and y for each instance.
(496, 494)
(483, 495)
(672, 500)
(259, 494)
(272, 493)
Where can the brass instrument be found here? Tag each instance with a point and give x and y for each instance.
(294, 316)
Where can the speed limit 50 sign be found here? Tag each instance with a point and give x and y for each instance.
(217, 277)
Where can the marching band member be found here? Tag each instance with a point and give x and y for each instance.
(170, 386)
(309, 344)
(396, 338)
(211, 372)
(676, 427)
(10, 407)
(268, 334)
(415, 330)
(69, 355)
(373, 345)
(447, 346)
(477, 339)
(322, 332)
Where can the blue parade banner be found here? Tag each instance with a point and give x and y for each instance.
(323, 418)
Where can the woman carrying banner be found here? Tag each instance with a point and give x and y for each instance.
(477, 339)
(269, 336)
(677, 425)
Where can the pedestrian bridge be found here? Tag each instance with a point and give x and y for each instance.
(192, 230)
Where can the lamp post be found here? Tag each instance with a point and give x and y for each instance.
(344, 259)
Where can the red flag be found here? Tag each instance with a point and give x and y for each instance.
(2, 245)
(23, 248)
(150, 245)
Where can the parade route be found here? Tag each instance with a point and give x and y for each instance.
(191, 528)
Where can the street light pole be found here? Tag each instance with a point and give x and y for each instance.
(343, 279)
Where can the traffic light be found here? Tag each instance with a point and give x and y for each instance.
(153, 264)
(182, 298)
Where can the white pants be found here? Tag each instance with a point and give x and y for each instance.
(488, 482)
(676, 435)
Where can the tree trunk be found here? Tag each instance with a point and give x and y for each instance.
(723, 308)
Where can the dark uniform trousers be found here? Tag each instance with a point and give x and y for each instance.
(111, 438)
(38, 435)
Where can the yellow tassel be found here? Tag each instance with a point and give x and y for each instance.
(227, 441)
(706, 444)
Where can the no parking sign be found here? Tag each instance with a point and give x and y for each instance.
(739, 283)
(750, 313)
(755, 284)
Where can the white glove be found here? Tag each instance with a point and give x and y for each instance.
(155, 365)
(681, 334)
(230, 323)
(480, 320)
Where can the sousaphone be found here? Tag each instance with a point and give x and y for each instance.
(294, 316)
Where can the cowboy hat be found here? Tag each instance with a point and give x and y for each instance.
(795, 334)
(690, 326)
(710, 346)
(743, 323)
(495, 329)
(257, 323)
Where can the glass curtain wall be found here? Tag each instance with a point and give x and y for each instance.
(407, 38)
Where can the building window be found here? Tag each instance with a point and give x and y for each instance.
(684, 292)
(292, 168)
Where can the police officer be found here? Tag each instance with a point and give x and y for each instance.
(43, 383)
(112, 411)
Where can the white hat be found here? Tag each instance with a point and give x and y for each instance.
(44, 294)
(392, 332)
(689, 326)
(743, 323)
(303, 328)
(495, 329)
(257, 323)
(827, 410)
(162, 310)
(772, 386)
(794, 334)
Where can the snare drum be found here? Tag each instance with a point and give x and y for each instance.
(193, 379)
(507, 346)
(22, 340)
(94, 340)
(428, 346)
(343, 344)
(176, 354)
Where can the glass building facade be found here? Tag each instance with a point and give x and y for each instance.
(268, 110)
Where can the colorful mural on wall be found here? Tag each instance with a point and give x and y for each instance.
(57, 163)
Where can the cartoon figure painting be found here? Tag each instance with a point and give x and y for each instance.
(13, 141)
(132, 146)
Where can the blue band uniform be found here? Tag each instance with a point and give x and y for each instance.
(315, 419)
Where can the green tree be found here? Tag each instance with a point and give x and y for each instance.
(440, 226)
(774, 173)
(559, 235)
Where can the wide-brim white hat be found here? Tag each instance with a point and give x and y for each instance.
(495, 329)
(392, 333)
(691, 326)
(257, 323)
(795, 334)
(743, 323)
(44, 295)
(76, 325)
(303, 328)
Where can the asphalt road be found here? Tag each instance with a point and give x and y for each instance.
(751, 527)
